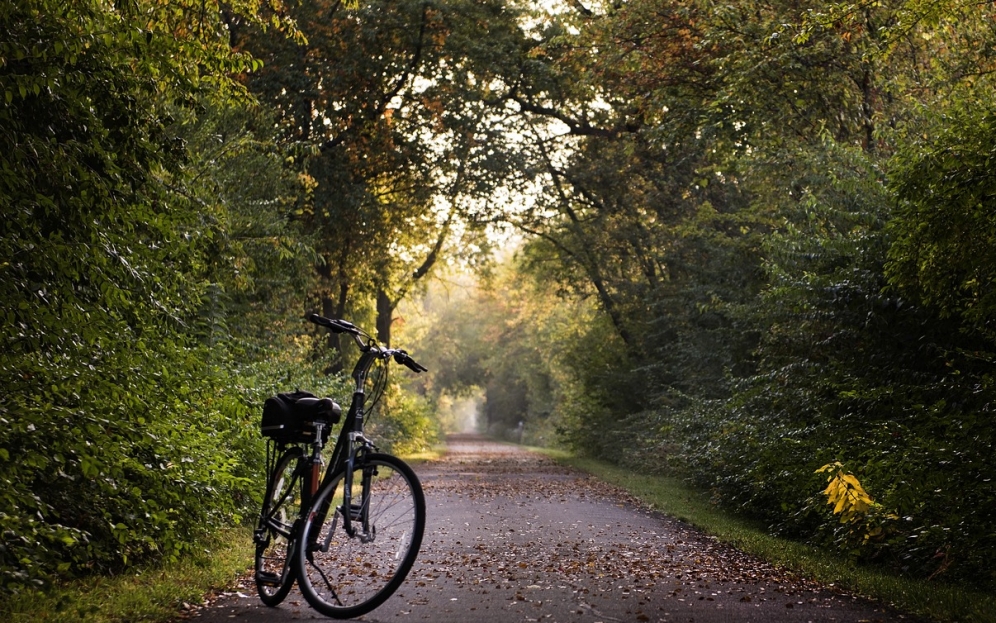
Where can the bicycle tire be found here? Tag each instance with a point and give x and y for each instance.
(274, 568)
(344, 577)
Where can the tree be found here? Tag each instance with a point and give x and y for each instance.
(944, 229)
(386, 102)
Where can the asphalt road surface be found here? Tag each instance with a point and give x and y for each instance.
(513, 537)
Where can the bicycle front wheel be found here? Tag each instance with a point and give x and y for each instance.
(346, 571)
(274, 531)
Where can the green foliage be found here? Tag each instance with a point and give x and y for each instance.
(844, 371)
(124, 435)
(403, 422)
(510, 341)
(385, 103)
(85, 234)
(945, 225)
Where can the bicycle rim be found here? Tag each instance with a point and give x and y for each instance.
(274, 569)
(344, 576)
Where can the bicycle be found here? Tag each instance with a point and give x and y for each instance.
(362, 525)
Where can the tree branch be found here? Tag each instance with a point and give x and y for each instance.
(582, 8)
(576, 127)
(412, 64)
(585, 258)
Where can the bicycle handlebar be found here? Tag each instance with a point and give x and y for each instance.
(341, 326)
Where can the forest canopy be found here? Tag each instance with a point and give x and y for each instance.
(757, 243)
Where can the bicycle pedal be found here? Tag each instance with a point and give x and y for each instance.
(267, 579)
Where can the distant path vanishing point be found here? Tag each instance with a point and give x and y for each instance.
(511, 536)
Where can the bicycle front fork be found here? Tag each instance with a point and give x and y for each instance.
(358, 512)
(355, 514)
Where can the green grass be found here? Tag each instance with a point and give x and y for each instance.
(416, 458)
(674, 498)
(152, 594)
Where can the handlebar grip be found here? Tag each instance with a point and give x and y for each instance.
(321, 321)
(332, 324)
(346, 326)
(415, 366)
(405, 359)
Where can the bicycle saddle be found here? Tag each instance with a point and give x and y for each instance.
(318, 409)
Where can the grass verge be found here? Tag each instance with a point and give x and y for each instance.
(673, 497)
(153, 594)
(416, 458)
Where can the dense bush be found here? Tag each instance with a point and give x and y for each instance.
(93, 288)
(403, 422)
(125, 431)
(153, 271)
(783, 213)
(845, 370)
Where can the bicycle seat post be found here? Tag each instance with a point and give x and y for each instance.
(316, 459)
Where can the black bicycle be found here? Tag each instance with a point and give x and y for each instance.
(349, 540)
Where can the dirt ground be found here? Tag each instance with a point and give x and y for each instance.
(512, 536)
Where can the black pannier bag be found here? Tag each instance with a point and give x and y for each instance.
(291, 417)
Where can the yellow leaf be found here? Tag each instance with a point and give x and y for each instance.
(840, 505)
(828, 467)
(851, 480)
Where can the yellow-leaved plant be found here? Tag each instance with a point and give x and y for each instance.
(849, 499)
(852, 503)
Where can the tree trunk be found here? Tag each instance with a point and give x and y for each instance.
(385, 315)
(335, 309)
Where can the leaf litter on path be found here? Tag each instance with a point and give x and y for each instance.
(517, 532)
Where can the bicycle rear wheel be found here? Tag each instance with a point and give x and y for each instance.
(344, 576)
(274, 531)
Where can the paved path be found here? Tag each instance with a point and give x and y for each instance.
(514, 537)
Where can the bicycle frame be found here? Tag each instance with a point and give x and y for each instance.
(343, 454)
(351, 443)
